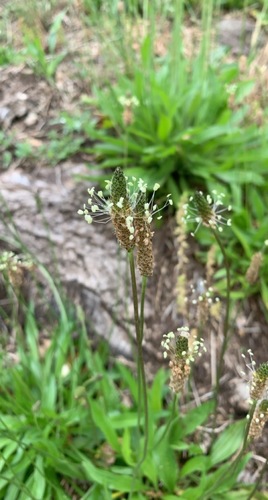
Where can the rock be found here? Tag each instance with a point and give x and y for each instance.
(236, 34)
(31, 119)
(85, 257)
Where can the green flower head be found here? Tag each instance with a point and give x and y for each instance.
(127, 207)
(207, 211)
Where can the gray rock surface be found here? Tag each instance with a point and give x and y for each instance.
(86, 257)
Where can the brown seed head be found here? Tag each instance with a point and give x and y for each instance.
(254, 268)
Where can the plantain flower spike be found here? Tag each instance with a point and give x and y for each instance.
(121, 210)
(143, 238)
(181, 355)
(252, 274)
(259, 382)
(259, 419)
(130, 213)
(207, 211)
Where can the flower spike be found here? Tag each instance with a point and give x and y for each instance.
(181, 354)
(207, 211)
(130, 212)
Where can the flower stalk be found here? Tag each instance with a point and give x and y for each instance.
(131, 215)
(209, 212)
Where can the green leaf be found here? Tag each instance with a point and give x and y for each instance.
(242, 239)
(164, 127)
(111, 480)
(32, 335)
(123, 420)
(227, 443)
(200, 463)
(222, 480)
(156, 391)
(49, 395)
(264, 293)
(150, 469)
(97, 492)
(192, 494)
(102, 421)
(146, 50)
(196, 417)
(242, 494)
(243, 90)
(165, 461)
(241, 177)
(8, 450)
(16, 468)
(39, 479)
(128, 378)
(126, 448)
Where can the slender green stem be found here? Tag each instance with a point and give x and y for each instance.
(226, 321)
(134, 294)
(142, 387)
(171, 418)
(256, 485)
(143, 292)
(145, 403)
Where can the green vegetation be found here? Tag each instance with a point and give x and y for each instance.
(65, 426)
(74, 422)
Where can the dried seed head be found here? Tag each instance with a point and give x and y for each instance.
(259, 419)
(180, 372)
(144, 244)
(254, 268)
(14, 267)
(182, 258)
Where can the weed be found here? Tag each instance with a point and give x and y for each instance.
(44, 64)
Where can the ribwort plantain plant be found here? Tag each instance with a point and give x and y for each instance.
(208, 211)
(131, 216)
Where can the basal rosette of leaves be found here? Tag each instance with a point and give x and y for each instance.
(181, 128)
